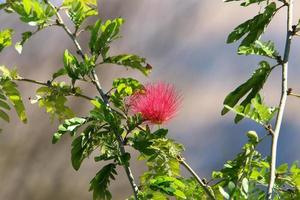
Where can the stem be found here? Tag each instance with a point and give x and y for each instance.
(103, 96)
(50, 86)
(284, 89)
(201, 183)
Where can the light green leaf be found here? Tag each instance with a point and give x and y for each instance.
(245, 185)
(224, 193)
(79, 10)
(5, 38)
(25, 37)
(69, 126)
(10, 90)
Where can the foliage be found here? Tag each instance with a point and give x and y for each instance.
(110, 126)
(250, 88)
(9, 92)
(5, 38)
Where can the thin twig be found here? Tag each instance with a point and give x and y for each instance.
(294, 94)
(201, 183)
(50, 86)
(282, 103)
(103, 96)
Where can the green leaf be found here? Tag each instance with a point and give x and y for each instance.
(250, 88)
(245, 185)
(76, 69)
(79, 10)
(32, 12)
(11, 92)
(5, 38)
(259, 48)
(282, 168)
(168, 185)
(224, 193)
(4, 116)
(132, 61)
(69, 126)
(247, 2)
(124, 87)
(99, 184)
(71, 65)
(253, 28)
(3, 5)
(53, 99)
(256, 110)
(4, 105)
(58, 73)
(103, 34)
(82, 147)
(25, 37)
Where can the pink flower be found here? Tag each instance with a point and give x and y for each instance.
(157, 104)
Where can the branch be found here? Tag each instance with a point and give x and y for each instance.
(103, 96)
(283, 98)
(201, 183)
(50, 86)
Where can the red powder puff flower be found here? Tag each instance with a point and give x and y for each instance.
(157, 104)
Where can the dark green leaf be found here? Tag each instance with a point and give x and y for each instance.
(253, 28)
(251, 87)
(4, 105)
(4, 116)
(103, 34)
(259, 48)
(99, 184)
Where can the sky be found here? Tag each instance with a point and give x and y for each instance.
(185, 42)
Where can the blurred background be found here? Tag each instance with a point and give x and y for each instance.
(184, 41)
